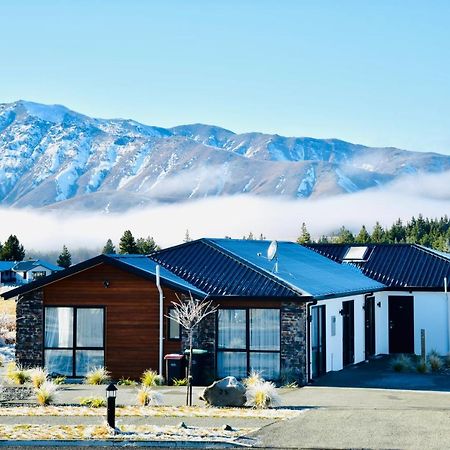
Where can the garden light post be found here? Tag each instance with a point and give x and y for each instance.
(111, 392)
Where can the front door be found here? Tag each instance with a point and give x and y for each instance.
(318, 341)
(369, 323)
(348, 330)
(401, 324)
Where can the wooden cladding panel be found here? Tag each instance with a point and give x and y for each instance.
(131, 315)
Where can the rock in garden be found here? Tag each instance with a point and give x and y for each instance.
(225, 392)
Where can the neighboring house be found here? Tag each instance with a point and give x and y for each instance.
(101, 312)
(415, 298)
(22, 272)
(270, 317)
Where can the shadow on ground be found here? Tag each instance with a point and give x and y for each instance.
(377, 373)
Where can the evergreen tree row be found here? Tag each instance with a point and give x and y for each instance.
(432, 233)
(128, 244)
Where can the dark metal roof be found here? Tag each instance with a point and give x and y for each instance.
(238, 267)
(220, 273)
(395, 265)
(139, 265)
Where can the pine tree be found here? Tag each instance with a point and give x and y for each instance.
(109, 248)
(145, 246)
(323, 240)
(250, 237)
(12, 250)
(65, 258)
(378, 234)
(127, 243)
(187, 237)
(345, 236)
(305, 237)
(363, 236)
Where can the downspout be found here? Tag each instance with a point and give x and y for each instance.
(448, 312)
(308, 340)
(161, 320)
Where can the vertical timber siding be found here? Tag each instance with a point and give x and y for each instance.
(131, 315)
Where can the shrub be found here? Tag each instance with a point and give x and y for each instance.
(422, 366)
(17, 374)
(98, 375)
(180, 382)
(447, 361)
(126, 382)
(435, 362)
(401, 363)
(262, 395)
(38, 376)
(93, 402)
(149, 397)
(46, 393)
(151, 378)
(59, 380)
(254, 378)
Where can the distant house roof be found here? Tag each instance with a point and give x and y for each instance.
(30, 264)
(139, 265)
(6, 265)
(396, 265)
(235, 267)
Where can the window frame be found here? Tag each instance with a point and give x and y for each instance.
(247, 348)
(171, 321)
(74, 348)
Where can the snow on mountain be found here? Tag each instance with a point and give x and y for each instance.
(53, 157)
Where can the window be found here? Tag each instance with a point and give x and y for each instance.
(38, 274)
(174, 328)
(248, 339)
(73, 340)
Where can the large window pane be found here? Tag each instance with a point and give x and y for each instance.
(58, 327)
(87, 360)
(232, 364)
(264, 329)
(174, 327)
(59, 362)
(90, 327)
(267, 364)
(231, 328)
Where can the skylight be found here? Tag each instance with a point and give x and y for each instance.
(355, 254)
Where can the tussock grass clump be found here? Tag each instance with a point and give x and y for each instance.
(401, 363)
(38, 376)
(262, 395)
(254, 378)
(180, 382)
(127, 382)
(422, 366)
(17, 374)
(149, 397)
(447, 361)
(93, 402)
(59, 380)
(98, 375)
(151, 378)
(46, 393)
(435, 363)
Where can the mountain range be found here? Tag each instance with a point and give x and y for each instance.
(52, 157)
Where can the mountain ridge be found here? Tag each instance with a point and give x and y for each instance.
(51, 156)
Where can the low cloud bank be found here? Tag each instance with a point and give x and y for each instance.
(233, 216)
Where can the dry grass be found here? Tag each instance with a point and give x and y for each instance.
(262, 395)
(17, 374)
(46, 393)
(98, 375)
(149, 397)
(38, 376)
(156, 411)
(151, 378)
(8, 307)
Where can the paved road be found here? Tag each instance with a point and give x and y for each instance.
(363, 418)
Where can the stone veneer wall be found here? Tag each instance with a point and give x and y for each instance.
(30, 329)
(293, 343)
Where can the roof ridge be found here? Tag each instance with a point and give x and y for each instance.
(432, 252)
(251, 266)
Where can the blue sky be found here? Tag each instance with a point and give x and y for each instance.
(372, 72)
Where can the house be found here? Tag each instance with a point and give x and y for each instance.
(414, 309)
(22, 272)
(290, 313)
(101, 312)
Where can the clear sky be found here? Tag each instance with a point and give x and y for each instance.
(371, 72)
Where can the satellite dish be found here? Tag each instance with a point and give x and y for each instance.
(272, 250)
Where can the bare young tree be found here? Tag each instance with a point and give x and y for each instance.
(189, 312)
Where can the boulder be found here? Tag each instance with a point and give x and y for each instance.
(225, 392)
